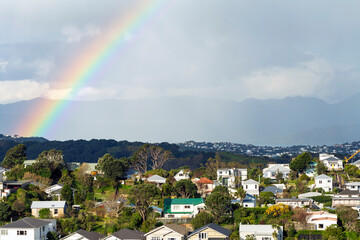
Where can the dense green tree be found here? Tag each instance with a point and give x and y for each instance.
(5, 211)
(201, 219)
(352, 170)
(212, 165)
(254, 173)
(218, 203)
(267, 198)
(67, 194)
(333, 232)
(49, 164)
(18, 206)
(321, 168)
(52, 236)
(44, 213)
(142, 196)
(113, 168)
(14, 156)
(301, 162)
(185, 189)
(348, 217)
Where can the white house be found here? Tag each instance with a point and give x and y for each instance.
(251, 187)
(182, 174)
(156, 179)
(273, 169)
(167, 232)
(321, 219)
(29, 162)
(229, 176)
(260, 232)
(183, 207)
(248, 202)
(27, 229)
(331, 162)
(205, 186)
(353, 186)
(324, 182)
(83, 235)
(57, 208)
(126, 234)
(294, 202)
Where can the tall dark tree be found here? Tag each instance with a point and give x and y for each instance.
(5, 211)
(67, 194)
(113, 168)
(301, 162)
(14, 156)
(218, 203)
(185, 189)
(142, 196)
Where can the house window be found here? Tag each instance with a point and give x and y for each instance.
(180, 175)
(320, 181)
(155, 238)
(255, 186)
(171, 238)
(44, 229)
(266, 238)
(176, 207)
(19, 232)
(202, 235)
(187, 207)
(321, 226)
(220, 172)
(328, 181)
(4, 232)
(246, 186)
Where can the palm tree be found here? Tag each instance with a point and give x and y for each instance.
(240, 193)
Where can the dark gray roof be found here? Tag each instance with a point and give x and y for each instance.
(87, 235)
(349, 192)
(213, 226)
(27, 223)
(128, 234)
(272, 189)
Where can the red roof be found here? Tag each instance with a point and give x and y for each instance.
(205, 181)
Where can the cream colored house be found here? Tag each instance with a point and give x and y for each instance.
(167, 232)
(57, 208)
(211, 231)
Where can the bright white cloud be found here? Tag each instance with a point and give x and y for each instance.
(13, 91)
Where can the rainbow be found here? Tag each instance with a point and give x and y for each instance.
(84, 67)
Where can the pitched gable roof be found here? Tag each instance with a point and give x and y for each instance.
(27, 223)
(174, 227)
(323, 176)
(213, 226)
(87, 235)
(126, 233)
(48, 204)
(272, 189)
(250, 181)
(205, 180)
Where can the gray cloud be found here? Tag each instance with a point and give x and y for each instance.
(229, 50)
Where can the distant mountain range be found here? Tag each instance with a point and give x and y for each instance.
(289, 121)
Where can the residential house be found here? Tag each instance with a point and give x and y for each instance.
(324, 182)
(83, 235)
(156, 179)
(356, 163)
(72, 166)
(182, 174)
(348, 193)
(211, 231)
(273, 169)
(54, 191)
(331, 162)
(167, 232)
(91, 168)
(126, 234)
(28, 163)
(354, 186)
(57, 208)
(27, 229)
(260, 232)
(205, 186)
(251, 187)
(230, 176)
(346, 201)
(276, 191)
(321, 219)
(248, 202)
(295, 202)
(309, 195)
(183, 207)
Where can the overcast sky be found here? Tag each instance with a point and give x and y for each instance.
(229, 50)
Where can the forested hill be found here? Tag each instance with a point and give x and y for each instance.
(90, 151)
